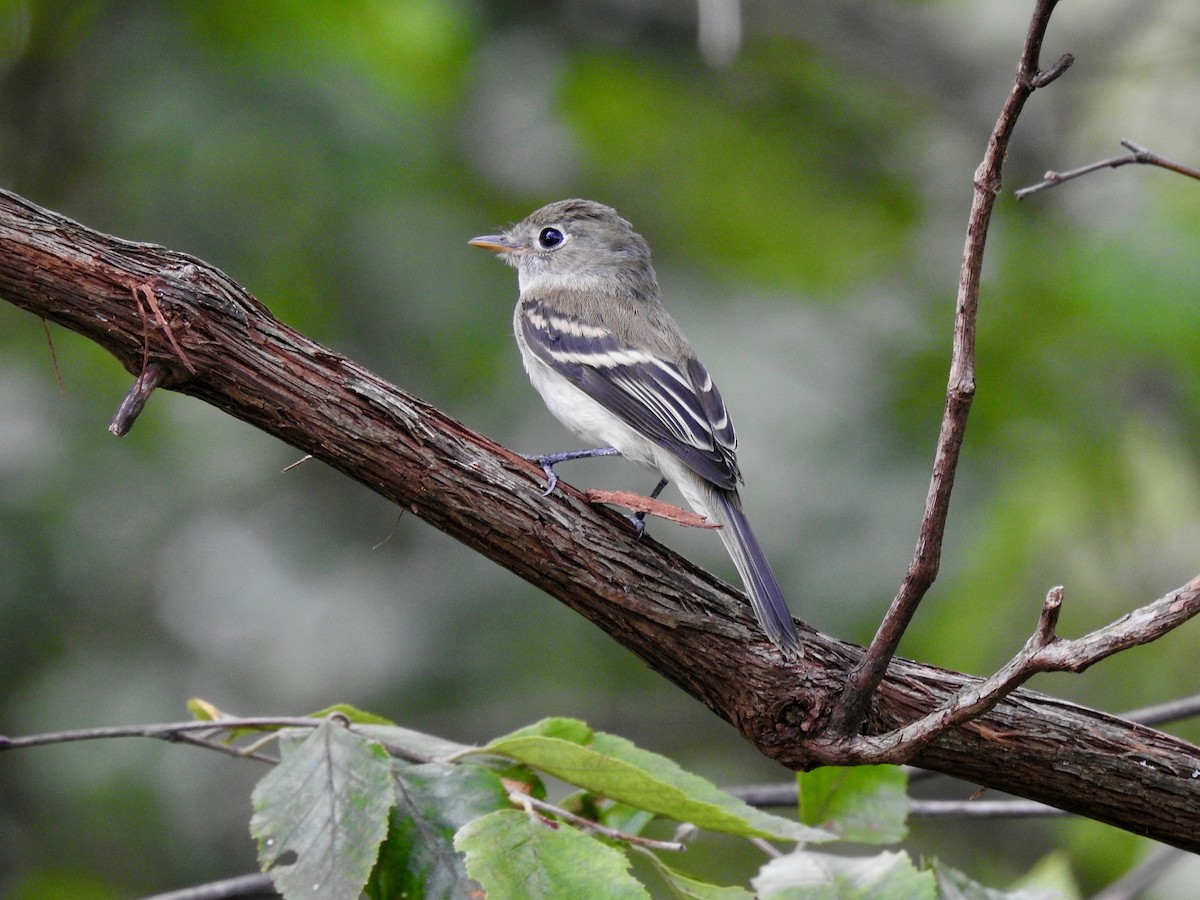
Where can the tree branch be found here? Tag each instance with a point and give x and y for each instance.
(1138, 154)
(922, 571)
(684, 623)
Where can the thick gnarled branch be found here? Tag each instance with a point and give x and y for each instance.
(679, 619)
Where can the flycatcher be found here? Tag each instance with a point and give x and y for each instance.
(612, 365)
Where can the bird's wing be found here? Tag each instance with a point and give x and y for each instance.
(676, 406)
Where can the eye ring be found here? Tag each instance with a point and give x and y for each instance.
(550, 237)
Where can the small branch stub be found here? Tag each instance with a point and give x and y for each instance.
(153, 376)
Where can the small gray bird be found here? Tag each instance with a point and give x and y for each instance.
(612, 365)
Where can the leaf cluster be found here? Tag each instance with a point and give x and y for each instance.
(358, 805)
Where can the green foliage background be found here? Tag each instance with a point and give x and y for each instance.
(806, 204)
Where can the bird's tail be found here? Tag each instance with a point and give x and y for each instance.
(766, 598)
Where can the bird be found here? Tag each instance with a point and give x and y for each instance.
(612, 365)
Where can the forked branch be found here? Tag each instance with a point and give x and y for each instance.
(1044, 651)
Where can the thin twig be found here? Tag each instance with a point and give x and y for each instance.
(241, 752)
(169, 731)
(520, 798)
(1160, 713)
(1138, 154)
(305, 458)
(982, 809)
(1140, 626)
(243, 887)
(62, 391)
(851, 706)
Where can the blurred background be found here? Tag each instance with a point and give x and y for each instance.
(803, 173)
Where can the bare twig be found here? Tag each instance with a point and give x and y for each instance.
(520, 798)
(243, 887)
(250, 752)
(981, 809)
(1043, 652)
(1138, 154)
(1171, 711)
(202, 734)
(851, 706)
(169, 731)
(62, 392)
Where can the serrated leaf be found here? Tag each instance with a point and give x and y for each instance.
(321, 814)
(806, 875)
(351, 714)
(433, 801)
(867, 804)
(617, 769)
(513, 854)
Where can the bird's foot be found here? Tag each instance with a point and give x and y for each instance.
(638, 521)
(547, 462)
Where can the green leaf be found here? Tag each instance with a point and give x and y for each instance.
(203, 711)
(688, 888)
(572, 730)
(321, 814)
(514, 854)
(615, 768)
(819, 876)
(868, 804)
(433, 801)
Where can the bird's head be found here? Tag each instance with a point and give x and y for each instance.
(577, 244)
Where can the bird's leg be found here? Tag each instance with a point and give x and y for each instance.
(638, 519)
(549, 460)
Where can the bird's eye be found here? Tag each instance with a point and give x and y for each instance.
(549, 238)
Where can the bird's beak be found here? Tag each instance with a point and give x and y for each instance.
(497, 243)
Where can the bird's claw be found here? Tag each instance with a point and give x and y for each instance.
(551, 479)
(638, 521)
(546, 463)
